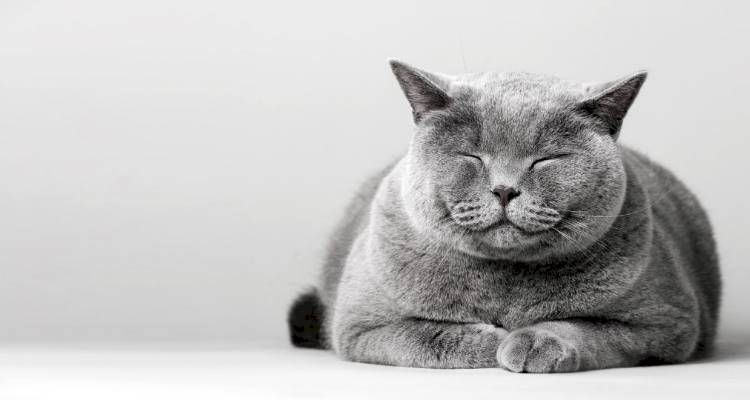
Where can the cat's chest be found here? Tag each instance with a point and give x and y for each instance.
(506, 297)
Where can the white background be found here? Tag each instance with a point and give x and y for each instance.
(170, 170)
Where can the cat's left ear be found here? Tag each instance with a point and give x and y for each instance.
(425, 91)
(609, 102)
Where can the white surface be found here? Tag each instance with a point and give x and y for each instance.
(279, 371)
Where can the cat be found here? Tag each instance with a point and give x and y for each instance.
(516, 232)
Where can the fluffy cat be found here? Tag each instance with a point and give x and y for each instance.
(516, 233)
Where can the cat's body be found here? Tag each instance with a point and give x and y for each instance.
(632, 279)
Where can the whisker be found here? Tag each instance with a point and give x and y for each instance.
(639, 210)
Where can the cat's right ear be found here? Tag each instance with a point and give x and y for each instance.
(425, 91)
(609, 102)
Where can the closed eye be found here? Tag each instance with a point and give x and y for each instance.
(472, 156)
(541, 162)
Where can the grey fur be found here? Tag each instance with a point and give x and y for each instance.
(604, 260)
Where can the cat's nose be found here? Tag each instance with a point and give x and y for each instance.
(505, 193)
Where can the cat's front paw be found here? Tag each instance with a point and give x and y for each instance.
(491, 329)
(537, 350)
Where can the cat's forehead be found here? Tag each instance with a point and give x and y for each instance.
(517, 91)
(514, 108)
(540, 84)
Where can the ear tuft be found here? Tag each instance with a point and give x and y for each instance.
(611, 101)
(425, 91)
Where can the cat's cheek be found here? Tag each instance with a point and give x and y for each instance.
(548, 183)
(563, 177)
(466, 174)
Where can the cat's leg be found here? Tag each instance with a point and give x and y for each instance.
(421, 343)
(574, 345)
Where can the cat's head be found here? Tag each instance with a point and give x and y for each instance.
(513, 165)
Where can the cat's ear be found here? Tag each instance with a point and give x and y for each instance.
(609, 102)
(425, 91)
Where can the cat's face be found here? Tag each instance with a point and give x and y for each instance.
(514, 166)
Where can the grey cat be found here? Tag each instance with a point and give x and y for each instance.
(517, 233)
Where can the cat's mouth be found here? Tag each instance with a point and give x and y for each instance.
(511, 235)
(533, 219)
(529, 220)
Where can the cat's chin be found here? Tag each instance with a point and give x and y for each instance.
(490, 252)
(505, 241)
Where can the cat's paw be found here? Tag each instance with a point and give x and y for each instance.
(491, 329)
(537, 350)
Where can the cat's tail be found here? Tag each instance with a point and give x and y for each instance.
(306, 321)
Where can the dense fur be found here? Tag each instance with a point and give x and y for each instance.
(600, 258)
(306, 320)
